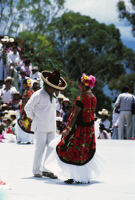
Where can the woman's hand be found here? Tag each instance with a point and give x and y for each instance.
(65, 132)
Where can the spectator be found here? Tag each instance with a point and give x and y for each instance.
(102, 121)
(36, 75)
(66, 103)
(14, 104)
(7, 90)
(35, 86)
(4, 59)
(59, 105)
(115, 122)
(23, 126)
(13, 61)
(124, 102)
(67, 113)
(22, 77)
(27, 67)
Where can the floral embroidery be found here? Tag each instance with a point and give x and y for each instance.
(79, 146)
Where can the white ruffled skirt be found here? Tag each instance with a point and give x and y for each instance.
(22, 136)
(84, 173)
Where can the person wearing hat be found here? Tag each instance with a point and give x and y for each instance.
(103, 124)
(27, 67)
(23, 131)
(75, 160)
(13, 60)
(7, 90)
(36, 75)
(59, 104)
(41, 108)
(15, 103)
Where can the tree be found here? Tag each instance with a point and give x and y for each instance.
(84, 45)
(31, 15)
(127, 11)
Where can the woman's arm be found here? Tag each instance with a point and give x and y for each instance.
(72, 121)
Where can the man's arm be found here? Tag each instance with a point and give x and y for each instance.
(30, 105)
(117, 103)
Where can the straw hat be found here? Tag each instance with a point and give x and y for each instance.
(9, 78)
(54, 80)
(35, 68)
(16, 92)
(7, 117)
(59, 119)
(60, 96)
(11, 39)
(66, 99)
(5, 39)
(104, 112)
(12, 112)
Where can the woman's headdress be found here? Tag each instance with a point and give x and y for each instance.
(88, 81)
(28, 82)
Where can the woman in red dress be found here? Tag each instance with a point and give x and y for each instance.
(77, 147)
(23, 126)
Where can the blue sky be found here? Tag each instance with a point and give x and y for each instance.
(104, 11)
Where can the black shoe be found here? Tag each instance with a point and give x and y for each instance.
(49, 174)
(78, 182)
(69, 181)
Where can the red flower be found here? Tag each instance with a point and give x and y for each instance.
(73, 154)
(22, 41)
(70, 82)
(76, 142)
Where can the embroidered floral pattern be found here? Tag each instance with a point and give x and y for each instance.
(25, 122)
(79, 146)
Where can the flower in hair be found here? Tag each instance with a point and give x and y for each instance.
(88, 80)
(28, 82)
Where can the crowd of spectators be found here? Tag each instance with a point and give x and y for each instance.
(16, 70)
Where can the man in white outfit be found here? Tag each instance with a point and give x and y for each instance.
(41, 108)
(124, 102)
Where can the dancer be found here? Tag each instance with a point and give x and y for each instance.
(74, 159)
(23, 127)
(41, 108)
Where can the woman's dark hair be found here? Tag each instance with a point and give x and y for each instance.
(27, 62)
(24, 81)
(125, 89)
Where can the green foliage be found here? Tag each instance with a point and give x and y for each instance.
(122, 81)
(87, 46)
(127, 11)
(30, 15)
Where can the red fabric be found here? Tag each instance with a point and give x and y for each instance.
(80, 147)
(2, 183)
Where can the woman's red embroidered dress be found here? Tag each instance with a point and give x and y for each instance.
(79, 146)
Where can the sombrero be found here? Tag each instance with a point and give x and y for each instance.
(104, 112)
(53, 79)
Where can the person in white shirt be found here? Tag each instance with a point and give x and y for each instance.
(36, 75)
(41, 108)
(7, 91)
(124, 102)
(103, 121)
(27, 67)
(59, 104)
(13, 60)
(103, 133)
